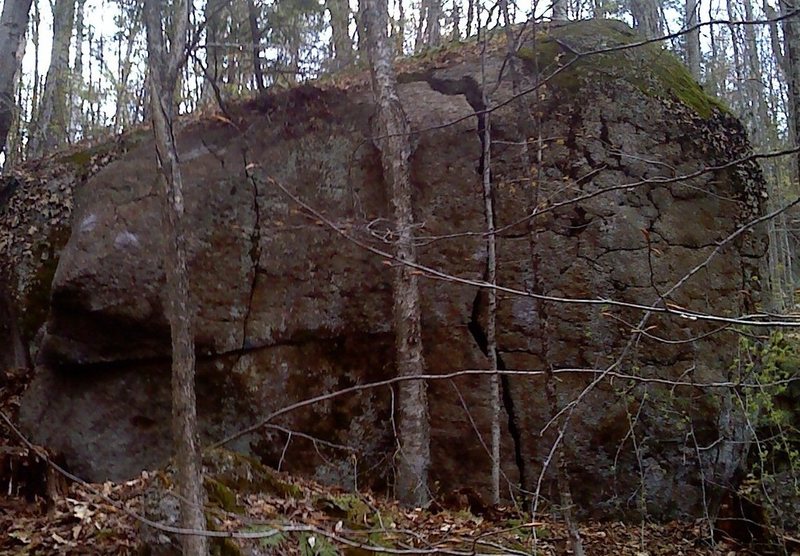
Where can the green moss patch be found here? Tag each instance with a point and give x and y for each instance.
(650, 68)
(245, 475)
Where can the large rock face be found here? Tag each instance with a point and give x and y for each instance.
(288, 308)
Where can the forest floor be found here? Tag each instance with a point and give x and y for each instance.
(42, 512)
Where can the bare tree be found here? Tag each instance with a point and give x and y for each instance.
(392, 133)
(13, 22)
(647, 17)
(491, 278)
(692, 39)
(52, 120)
(791, 64)
(255, 35)
(339, 11)
(429, 32)
(165, 65)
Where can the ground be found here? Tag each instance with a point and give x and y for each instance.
(42, 512)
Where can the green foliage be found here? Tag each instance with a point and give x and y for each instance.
(774, 407)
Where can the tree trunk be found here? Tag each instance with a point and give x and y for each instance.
(164, 69)
(255, 36)
(692, 39)
(214, 68)
(791, 57)
(52, 121)
(392, 136)
(491, 278)
(433, 31)
(121, 118)
(560, 10)
(13, 22)
(647, 17)
(339, 11)
(77, 97)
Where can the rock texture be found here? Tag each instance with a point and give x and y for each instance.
(288, 308)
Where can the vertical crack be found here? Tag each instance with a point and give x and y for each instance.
(255, 245)
(479, 335)
(469, 88)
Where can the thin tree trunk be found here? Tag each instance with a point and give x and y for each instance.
(164, 70)
(392, 132)
(52, 121)
(737, 60)
(255, 36)
(419, 41)
(213, 20)
(433, 31)
(401, 28)
(339, 11)
(470, 17)
(692, 39)
(491, 293)
(121, 121)
(14, 150)
(791, 50)
(456, 35)
(13, 22)
(77, 97)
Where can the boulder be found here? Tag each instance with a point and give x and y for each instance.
(637, 194)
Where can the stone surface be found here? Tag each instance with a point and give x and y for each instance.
(288, 308)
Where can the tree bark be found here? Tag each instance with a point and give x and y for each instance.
(647, 17)
(52, 122)
(392, 137)
(560, 9)
(76, 90)
(339, 11)
(692, 39)
(164, 69)
(791, 58)
(491, 278)
(13, 22)
(255, 36)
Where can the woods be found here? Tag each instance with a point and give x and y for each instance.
(516, 256)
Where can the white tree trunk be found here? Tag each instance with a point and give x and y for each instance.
(392, 136)
(13, 22)
(164, 69)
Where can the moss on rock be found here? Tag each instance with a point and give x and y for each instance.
(245, 475)
(600, 50)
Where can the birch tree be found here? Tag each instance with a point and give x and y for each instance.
(392, 136)
(165, 65)
(13, 22)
